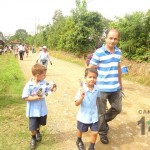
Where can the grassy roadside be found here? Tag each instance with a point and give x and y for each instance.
(13, 123)
(138, 72)
(67, 57)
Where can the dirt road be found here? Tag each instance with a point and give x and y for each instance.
(124, 132)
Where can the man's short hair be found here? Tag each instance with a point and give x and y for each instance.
(113, 29)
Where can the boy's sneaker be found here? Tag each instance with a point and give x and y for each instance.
(80, 145)
(38, 137)
(32, 144)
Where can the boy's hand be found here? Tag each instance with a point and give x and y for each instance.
(81, 83)
(39, 92)
(81, 88)
(82, 92)
(40, 97)
(54, 87)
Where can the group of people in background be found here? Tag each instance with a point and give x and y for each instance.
(102, 83)
(43, 55)
(17, 50)
(20, 50)
(6, 49)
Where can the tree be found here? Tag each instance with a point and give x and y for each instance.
(86, 31)
(21, 35)
(135, 33)
(77, 33)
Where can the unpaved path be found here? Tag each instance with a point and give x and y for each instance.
(124, 132)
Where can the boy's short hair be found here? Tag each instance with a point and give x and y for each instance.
(38, 69)
(93, 70)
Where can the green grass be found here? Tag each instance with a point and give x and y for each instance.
(14, 133)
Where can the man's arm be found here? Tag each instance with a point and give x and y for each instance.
(119, 75)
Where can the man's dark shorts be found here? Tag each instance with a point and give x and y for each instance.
(84, 127)
(35, 122)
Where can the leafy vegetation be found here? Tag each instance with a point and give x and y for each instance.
(135, 35)
(21, 35)
(76, 33)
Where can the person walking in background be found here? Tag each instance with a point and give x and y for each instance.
(16, 51)
(33, 49)
(89, 57)
(40, 48)
(88, 114)
(27, 50)
(23, 49)
(20, 49)
(36, 109)
(107, 59)
(44, 57)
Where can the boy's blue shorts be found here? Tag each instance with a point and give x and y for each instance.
(35, 122)
(84, 127)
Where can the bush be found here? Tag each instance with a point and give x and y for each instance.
(1, 46)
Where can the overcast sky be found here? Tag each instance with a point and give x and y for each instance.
(26, 14)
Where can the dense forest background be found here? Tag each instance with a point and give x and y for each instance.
(83, 29)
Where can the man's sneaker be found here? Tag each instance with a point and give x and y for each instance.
(38, 137)
(104, 139)
(91, 148)
(80, 145)
(32, 144)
